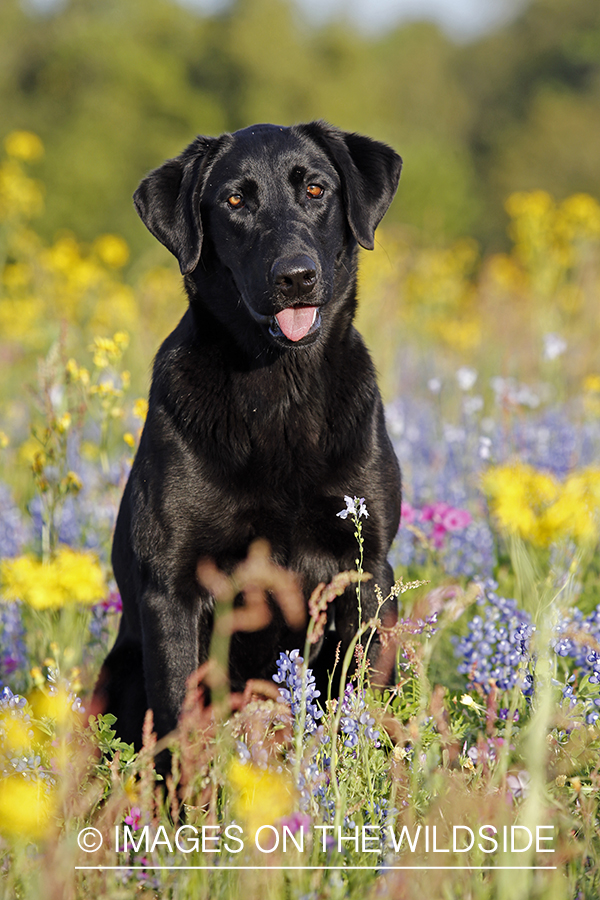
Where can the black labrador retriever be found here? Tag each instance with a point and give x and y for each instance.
(264, 409)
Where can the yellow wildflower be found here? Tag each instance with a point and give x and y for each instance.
(71, 483)
(38, 461)
(530, 204)
(77, 373)
(64, 257)
(26, 808)
(577, 510)
(591, 384)
(580, 216)
(140, 409)
(72, 369)
(23, 145)
(71, 577)
(4, 440)
(28, 450)
(550, 241)
(121, 339)
(108, 351)
(64, 423)
(57, 705)
(517, 494)
(105, 351)
(260, 797)
(112, 250)
(131, 790)
(538, 508)
(106, 389)
(15, 732)
(20, 196)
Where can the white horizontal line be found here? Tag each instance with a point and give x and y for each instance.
(382, 868)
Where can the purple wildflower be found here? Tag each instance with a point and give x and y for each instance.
(356, 719)
(289, 674)
(134, 817)
(13, 652)
(496, 648)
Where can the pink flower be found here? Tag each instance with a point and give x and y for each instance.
(455, 519)
(442, 516)
(434, 512)
(438, 535)
(134, 817)
(296, 821)
(409, 514)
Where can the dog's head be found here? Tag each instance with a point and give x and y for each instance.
(278, 212)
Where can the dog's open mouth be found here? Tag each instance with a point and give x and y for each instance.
(295, 323)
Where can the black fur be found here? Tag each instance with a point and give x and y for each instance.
(250, 433)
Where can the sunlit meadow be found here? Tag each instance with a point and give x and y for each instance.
(477, 775)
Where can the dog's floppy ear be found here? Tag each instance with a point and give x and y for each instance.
(168, 202)
(369, 171)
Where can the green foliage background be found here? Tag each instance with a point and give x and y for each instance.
(114, 86)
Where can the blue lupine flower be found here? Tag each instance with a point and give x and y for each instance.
(503, 714)
(15, 531)
(570, 644)
(8, 700)
(443, 462)
(495, 650)
(470, 552)
(350, 729)
(242, 751)
(13, 652)
(86, 520)
(289, 674)
(356, 720)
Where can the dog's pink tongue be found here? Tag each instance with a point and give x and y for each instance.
(296, 321)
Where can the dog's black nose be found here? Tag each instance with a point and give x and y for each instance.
(295, 276)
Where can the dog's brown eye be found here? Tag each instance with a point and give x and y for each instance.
(236, 201)
(315, 191)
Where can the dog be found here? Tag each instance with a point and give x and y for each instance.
(263, 411)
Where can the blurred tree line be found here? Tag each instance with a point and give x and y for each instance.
(113, 87)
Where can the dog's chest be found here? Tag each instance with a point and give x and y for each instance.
(276, 431)
(283, 417)
(283, 444)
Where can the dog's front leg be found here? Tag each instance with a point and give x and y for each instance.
(171, 651)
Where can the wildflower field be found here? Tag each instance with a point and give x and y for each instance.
(477, 775)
